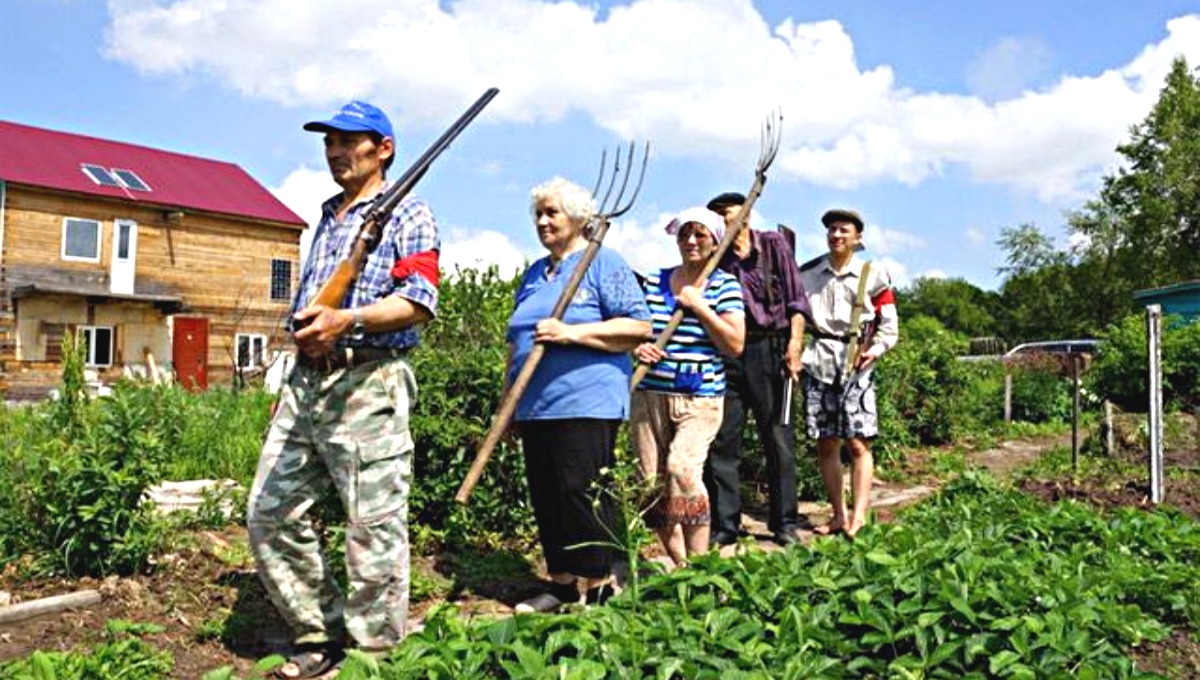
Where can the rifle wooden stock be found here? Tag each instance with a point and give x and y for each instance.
(333, 292)
(508, 407)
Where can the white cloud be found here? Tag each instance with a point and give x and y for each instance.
(467, 249)
(1009, 66)
(649, 70)
(646, 247)
(896, 270)
(303, 190)
(890, 241)
(975, 236)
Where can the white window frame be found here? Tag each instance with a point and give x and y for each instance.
(76, 258)
(89, 333)
(252, 339)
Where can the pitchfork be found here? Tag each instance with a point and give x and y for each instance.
(769, 139)
(610, 207)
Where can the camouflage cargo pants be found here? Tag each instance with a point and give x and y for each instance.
(348, 429)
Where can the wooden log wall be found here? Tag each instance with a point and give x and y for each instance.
(219, 266)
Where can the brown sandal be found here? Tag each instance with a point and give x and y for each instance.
(311, 660)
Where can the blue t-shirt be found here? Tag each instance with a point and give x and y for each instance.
(693, 364)
(574, 381)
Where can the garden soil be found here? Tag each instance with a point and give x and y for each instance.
(193, 589)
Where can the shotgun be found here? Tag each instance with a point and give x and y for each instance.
(333, 292)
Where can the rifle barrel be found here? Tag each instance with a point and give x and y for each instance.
(409, 179)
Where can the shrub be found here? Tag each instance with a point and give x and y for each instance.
(1041, 391)
(1120, 370)
(460, 370)
(926, 395)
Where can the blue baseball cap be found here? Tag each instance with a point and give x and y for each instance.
(357, 116)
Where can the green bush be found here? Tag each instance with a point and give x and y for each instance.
(74, 500)
(1042, 391)
(460, 371)
(1120, 371)
(926, 395)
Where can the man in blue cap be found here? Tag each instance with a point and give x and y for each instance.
(342, 420)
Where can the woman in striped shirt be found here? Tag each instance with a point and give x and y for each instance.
(677, 408)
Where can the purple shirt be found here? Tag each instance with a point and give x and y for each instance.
(768, 311)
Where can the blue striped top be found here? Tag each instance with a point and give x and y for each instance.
(693, 364)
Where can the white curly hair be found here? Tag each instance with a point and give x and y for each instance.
(574, 200)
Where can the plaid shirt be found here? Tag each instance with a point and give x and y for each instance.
(411, 230)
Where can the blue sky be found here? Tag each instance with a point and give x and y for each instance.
(942, 122)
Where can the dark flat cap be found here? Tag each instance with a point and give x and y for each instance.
(726, 199)
(842, 215)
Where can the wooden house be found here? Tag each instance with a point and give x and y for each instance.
(158, 259)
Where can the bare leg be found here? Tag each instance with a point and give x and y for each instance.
(829, 460)
(672, 541)
(695, 538)
(862, 471)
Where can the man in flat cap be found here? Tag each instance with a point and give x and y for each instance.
(765, 266)
(342, 420)
(853, 322)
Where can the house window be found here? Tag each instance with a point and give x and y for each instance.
(81, 240)
(130, 179)
(98, 345)
(251, 350)
(281, 280)
(99, 175)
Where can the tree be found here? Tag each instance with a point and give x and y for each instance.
(1141, 231)
(1146, 222)
(1041, 297)
(960, 306)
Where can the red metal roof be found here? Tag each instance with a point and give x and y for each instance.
(53, 160)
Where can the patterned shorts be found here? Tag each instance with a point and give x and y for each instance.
(845, 412)
(672, 434)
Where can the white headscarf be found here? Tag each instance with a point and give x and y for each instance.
(714, 223)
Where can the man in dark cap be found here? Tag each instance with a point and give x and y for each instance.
(839, 362)
(765, 266)
(342, 421)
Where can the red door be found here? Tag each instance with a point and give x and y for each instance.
(189, 348)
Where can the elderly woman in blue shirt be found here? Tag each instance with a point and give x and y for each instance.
(569, 415)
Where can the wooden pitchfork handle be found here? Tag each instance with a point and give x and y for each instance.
(604, 214)
(726, 241)
(770, 146)
(508, 407)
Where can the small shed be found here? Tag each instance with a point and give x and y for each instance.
(1181, 299)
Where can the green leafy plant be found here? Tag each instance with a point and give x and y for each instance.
(978, 582)
(122, 655)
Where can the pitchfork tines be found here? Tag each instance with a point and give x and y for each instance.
(611, 206)
(769, 140)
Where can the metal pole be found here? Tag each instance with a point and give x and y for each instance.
(1075, 414)
(1110, 447)
(1154, 342)
(1007, 394)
